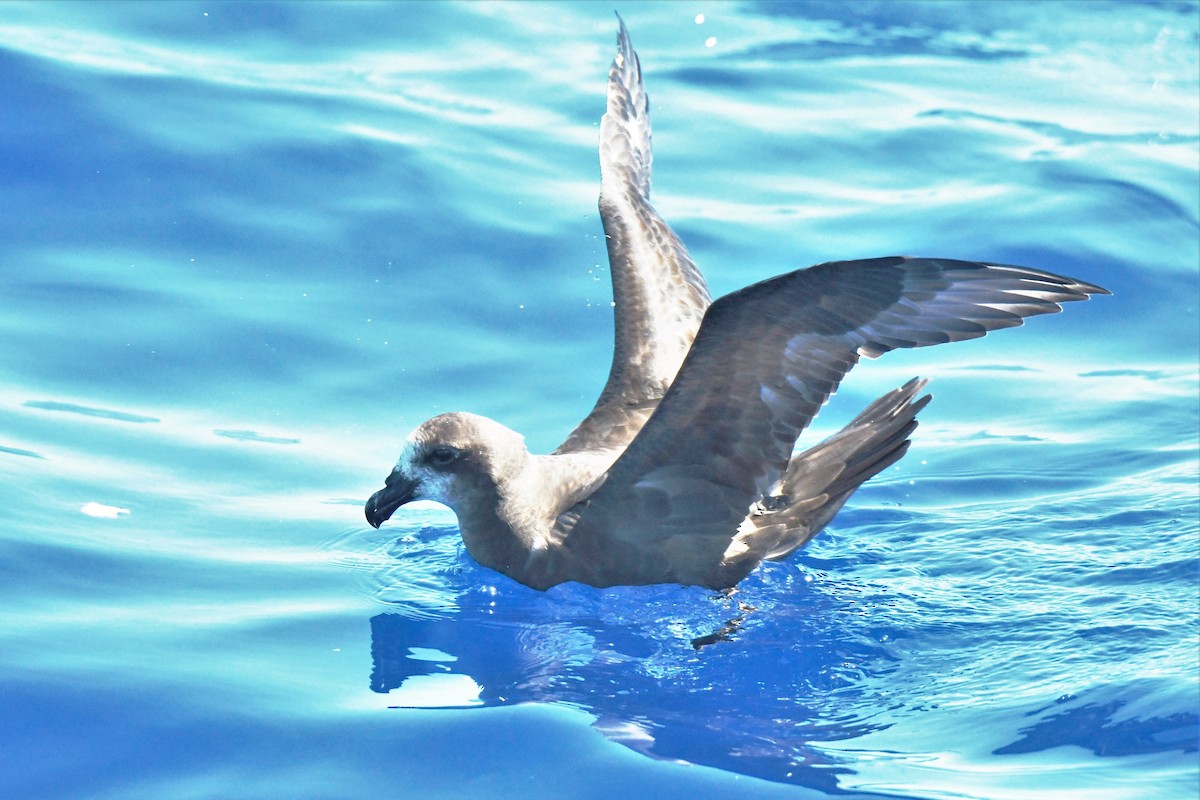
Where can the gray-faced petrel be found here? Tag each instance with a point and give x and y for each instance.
(684, 471)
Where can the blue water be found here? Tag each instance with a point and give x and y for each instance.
(246, 247)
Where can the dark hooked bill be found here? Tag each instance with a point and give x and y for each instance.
(397, 491)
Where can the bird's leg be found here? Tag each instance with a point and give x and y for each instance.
(726, 632)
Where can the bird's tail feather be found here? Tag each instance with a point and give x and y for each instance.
(821, 479)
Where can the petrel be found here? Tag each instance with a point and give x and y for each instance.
(684, 471)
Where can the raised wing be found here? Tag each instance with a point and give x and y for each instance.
(764, 361)
(659, 295)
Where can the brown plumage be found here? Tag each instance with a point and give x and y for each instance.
(684, 471)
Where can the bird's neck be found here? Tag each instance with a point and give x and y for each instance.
(492, 539)
(514, 532)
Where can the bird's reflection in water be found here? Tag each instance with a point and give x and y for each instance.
(674, 673)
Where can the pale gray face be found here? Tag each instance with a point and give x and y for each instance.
(420, 474)
(445, 458)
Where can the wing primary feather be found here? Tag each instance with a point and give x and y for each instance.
(659, 295)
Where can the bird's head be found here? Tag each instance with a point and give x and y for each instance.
(456, 459)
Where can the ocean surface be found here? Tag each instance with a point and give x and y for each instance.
(246, 247)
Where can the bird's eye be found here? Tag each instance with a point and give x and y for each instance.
(443, 456)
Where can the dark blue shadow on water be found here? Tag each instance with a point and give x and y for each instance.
(733, 726)
(1092, 727)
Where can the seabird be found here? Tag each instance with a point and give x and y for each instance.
(684, 471)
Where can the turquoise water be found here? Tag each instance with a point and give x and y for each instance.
(246, 247)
